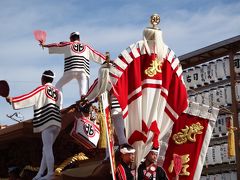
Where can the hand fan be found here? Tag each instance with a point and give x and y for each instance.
(4, 88)
(40, 36)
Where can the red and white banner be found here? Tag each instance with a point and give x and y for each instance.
(151, 93)
(190, 139)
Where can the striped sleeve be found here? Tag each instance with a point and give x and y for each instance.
(57, 48)
(92, 91)
(100, 85)
(27, 100)
(95, 55)
(120, 174)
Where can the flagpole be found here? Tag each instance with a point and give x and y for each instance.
(110, 135)
(107, 122)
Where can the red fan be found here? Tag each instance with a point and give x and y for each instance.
(4, 88)
(40, 36)
(177, 161)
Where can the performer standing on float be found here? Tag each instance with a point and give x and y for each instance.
(97, 88)
(47, 102)
(76, 61)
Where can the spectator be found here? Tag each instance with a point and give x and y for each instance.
(127, 156)
(148, 169)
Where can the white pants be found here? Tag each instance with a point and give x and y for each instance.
(118, 123)
(83, 81)
(49, 136)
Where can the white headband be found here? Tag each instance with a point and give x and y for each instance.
(125, 150)
(51, 76)
(74, 33)
(154, 150)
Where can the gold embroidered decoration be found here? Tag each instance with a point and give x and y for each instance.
(188, 133)
(77, 157)
(185, 159)
(155, 67)
(28, 168)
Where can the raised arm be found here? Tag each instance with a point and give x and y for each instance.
(100, 85)
(57, 48)
(26, 100)
(95, 55)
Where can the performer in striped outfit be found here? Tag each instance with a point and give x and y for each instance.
(76, 61)
(46, 101)
(97, 88)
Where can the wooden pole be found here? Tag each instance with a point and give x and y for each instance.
(234, 108)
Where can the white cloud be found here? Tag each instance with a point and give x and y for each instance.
(197, 30)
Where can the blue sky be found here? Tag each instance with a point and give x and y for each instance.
(106, 25)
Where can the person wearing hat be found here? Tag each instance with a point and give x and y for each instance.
(148, 169)
(127, 156)
(46, 101)
(76, 61)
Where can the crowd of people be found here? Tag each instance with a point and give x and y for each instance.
(148, 169)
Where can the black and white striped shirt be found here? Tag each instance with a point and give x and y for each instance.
(76, 55)
(46, 101)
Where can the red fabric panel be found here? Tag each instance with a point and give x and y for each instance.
(191, 148)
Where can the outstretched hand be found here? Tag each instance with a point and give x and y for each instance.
(9, 100)
(82, 102)
(42, 44)
(40, 36)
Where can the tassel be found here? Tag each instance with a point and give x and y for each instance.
(231, 139)
(102, 143)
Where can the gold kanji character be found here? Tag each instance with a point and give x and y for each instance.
(188, 133)
(155, 67)
(185, 159)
